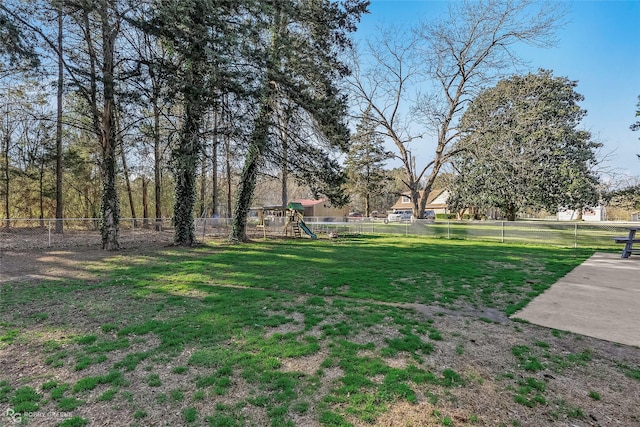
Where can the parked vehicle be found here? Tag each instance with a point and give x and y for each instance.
(354, 216)
(399, 216)
(377, 214)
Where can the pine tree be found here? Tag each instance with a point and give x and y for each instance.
(365, 162)
(203, 34)
(300, 47)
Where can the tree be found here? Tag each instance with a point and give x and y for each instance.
(92, 66)
(454, 57)
(203, 35)
(636, 125)
(15, 45)
(521, 148)
(627, 197)
(299, 61)
(365, 162)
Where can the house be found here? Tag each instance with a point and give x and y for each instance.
(598, 213)
(322, 208)
(437, 201)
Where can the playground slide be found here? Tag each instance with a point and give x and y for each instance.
(306, 230)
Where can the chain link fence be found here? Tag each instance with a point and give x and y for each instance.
(16, 234)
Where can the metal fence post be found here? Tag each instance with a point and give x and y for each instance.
(449, 230)
(502, 232)
(575, 236)
(49, 222)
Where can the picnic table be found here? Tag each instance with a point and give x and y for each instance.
(628, 242)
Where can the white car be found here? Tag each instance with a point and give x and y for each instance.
(399, 216)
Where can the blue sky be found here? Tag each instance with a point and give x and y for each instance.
(599, 47)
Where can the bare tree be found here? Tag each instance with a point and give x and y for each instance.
(459, 54)
(383, 86)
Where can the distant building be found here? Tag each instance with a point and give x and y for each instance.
(322, 208)
(598, 213)
(437, 201)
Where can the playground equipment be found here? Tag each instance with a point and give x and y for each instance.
(294, 219)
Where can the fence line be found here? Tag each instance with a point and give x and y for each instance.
(41, 233)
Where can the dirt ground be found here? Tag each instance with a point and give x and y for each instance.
(487, 337)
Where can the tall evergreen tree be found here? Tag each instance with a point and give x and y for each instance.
(17, 49)
(365, 162)
(203, 35)
(300, 47)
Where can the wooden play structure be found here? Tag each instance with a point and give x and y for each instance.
(295, 215)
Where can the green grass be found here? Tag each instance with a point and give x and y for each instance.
(241, 313)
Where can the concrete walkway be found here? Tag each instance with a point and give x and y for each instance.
(600, 298)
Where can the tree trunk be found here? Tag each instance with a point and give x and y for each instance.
(367, 205)
(185, 188)
(59, 206)
(157, 151)
(249, 175)
(284, 124)
(285, 173)
(186, 158)
(259, 137)
(41, 195)
(157, 173)
(203, 187)
(125, 169)
(110, 205)
(7, 142)
(214, 165)
(227, 146)
(510, 212)
(145, 202)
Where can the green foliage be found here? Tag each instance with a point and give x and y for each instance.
(365, 162)
(108, 395)
(636, 125)
(409, 343)
(68, 404)
(153, 380)
(631, 372)
(527, 360)
(594, 395)
(89, 383)
(140, 414)
(15, 46)
(299, 52)
(190, 414)
(25, 399)
(625, 198)
(74, 422)
(545, 160)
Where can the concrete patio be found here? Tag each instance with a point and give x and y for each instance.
(600, 298)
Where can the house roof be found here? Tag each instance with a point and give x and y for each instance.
(434, 200)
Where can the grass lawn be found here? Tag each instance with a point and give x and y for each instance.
(362, 331)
